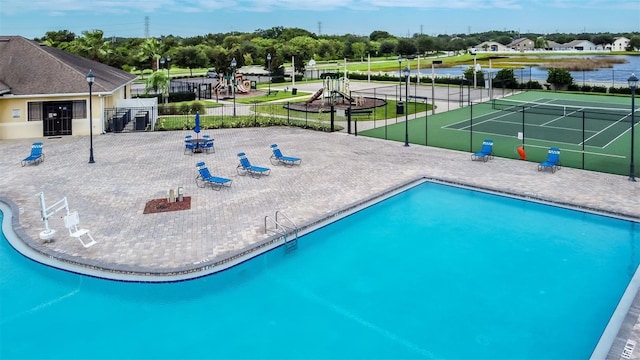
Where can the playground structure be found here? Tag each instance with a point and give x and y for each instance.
(335, 93)
(225, 86)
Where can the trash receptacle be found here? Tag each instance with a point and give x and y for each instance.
(399, 108)
(294, 91)
(254, 85)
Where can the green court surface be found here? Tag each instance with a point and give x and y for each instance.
(592, 131)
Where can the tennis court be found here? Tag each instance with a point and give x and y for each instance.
(592, 131)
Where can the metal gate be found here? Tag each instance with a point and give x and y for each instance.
(57, 118)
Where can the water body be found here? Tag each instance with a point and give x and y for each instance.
(616, 76)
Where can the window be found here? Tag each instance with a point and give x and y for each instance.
(79, 109)
(34, 111)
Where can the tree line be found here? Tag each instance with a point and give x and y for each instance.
(282, 44)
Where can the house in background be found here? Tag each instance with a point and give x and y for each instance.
(522, 44)
(619, 44)
(491, 46)
(44, 91)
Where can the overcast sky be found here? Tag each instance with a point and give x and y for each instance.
(127, 18)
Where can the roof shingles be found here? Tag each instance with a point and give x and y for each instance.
(29, 68)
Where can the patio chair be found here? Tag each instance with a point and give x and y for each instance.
(205, 178)
(277, 157)
(71, 222)
(189, 146)
(485, 153)
(36, 156)
(245, 167)
(553, 160)
(208, 145)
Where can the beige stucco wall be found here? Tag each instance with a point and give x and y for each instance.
(19, 128)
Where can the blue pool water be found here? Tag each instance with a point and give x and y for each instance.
(433, 272)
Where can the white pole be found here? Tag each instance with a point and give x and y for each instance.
(433, 89)
(293, 71)
(418, 79)
(490, 82)
(369, 67)
(345, 68)
(475, 67)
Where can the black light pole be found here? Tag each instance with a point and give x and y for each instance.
(406, 73)
(633, 84)
(269, 67)
(233, 83)
(90, 79)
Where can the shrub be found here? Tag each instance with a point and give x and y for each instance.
(559, 78)
(599, 89)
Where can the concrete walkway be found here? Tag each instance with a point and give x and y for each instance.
(338, 170)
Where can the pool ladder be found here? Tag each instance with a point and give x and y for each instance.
(283, 229)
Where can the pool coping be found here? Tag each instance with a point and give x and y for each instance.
(35, 251)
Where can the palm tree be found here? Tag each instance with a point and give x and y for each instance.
(150, 49)
(541, 43)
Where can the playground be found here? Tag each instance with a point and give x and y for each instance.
(335, 93)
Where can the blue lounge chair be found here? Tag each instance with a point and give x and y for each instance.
(485, 153)
(552, 162)
(205, 178)
(277, 157)
(36, 156)
(245, 167)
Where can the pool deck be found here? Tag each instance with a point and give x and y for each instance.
(338, 170)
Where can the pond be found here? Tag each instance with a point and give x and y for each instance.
(616, 76)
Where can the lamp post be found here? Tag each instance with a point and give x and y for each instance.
(167, 61)
(406, 73)
(633, 84)
(233, 83)
(269, 68)
(90, 79)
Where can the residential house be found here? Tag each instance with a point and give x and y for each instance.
(491, 46)
(522, 44)
(619, 44)
(44, 91)
(575, 45)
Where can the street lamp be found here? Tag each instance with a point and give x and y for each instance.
(269, 67)
(633, 84)
(406, 73)
(475, 67)
(233, 83)
(90, 79)
(167, 61)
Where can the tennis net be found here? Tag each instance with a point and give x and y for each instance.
(611, 114)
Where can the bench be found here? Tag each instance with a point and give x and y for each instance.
(360, 112)
(272, 92)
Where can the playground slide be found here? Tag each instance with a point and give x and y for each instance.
(346, 96)
(315, 95)
(241, 88)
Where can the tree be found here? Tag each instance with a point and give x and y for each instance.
(406, 47)
(379, 35)
(541, 43)
(189, 57)
(505, 79)
(359, 50)
(468, 75)
(559, 78)
(634, 43)
(387, 47)
(158, 82)
(91, 45)
(150, 50)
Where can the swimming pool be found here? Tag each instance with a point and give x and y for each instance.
(433, 272)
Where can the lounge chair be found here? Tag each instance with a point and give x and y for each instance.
(485, 153)
(205, 178)
(552, 162)
(245, 167)
(277, 157)
(36, 156)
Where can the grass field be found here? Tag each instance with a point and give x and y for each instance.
(588, 142)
